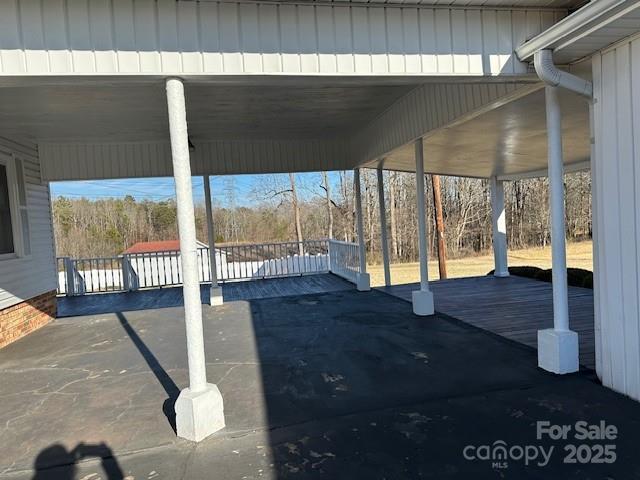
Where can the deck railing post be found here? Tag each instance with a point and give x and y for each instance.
(125, 269)
(499, 225)
(215, 295)
(558, 349)
(384, 245)
(422, 299)
(69, 271)
(130, 281)
(199, 408)
(363, 283)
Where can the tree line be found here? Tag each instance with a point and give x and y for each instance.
(278, 212)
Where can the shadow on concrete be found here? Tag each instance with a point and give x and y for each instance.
(356, 386)
(66, 462)
(336, 385)
(154, 365)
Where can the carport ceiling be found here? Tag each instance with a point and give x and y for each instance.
(456, 3)
(137, 112)
(508, 140)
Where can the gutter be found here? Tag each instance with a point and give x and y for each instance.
(580, 23)
(552, 75)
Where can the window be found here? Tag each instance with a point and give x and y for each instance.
(15, 239)
(6, 227)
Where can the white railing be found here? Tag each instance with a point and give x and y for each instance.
(272, 260)
(344, 259)
(233, 263)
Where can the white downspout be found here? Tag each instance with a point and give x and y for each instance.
(553, 76)
(558, 348)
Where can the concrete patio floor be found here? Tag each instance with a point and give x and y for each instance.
(334, 385)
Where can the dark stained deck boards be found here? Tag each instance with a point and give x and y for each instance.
(514, 307)
(94, 304)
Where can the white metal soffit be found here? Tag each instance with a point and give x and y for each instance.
(509, 142)
(444, 3)
(592, 28)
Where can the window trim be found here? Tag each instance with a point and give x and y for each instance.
(9, 162)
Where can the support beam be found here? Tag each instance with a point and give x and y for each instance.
(384, 244)
(363, 284)
(557, 347)
(215, 296)
(423, 298)
(499, 225)
(199, 408)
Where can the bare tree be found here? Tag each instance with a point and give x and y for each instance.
(281, 210)
(392, 214)
(327, 190)
(296, 213)
(437, 205)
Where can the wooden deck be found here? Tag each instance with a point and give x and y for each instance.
(94, 304)
(514, 307)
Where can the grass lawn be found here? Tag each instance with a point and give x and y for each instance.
(579, 255)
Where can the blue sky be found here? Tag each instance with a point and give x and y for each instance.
(245, 187)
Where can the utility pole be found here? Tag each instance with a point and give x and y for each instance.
(442, 250)
(327, 189)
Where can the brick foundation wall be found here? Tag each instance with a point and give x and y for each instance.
(23, 318)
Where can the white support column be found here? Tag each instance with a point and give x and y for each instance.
(215, 296)
(423, 298)
(363, 283)
(557, 347)
(199, 408)
(498, 221)
(383, 229)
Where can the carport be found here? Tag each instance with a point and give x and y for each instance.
(96, 93)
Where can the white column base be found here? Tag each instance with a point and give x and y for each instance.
(501, 274)
(363, 282)
(215, 296)
(422, 301)
(200, 414)
(558, 351)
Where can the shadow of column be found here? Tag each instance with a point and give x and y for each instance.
(163, 377)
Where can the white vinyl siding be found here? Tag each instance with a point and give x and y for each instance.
(31, 275)
(616, 192)
(213, 38)
(69, 161)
